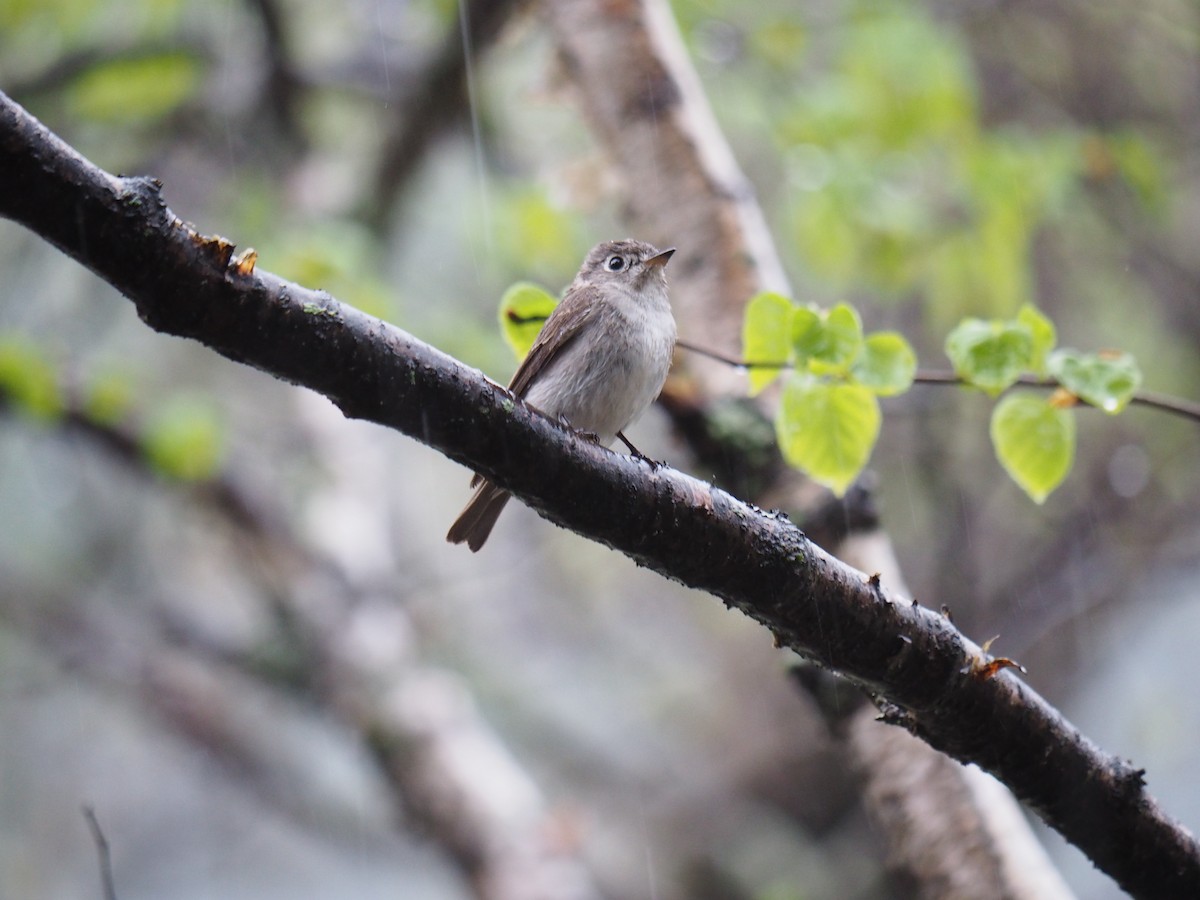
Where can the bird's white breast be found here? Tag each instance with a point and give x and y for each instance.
(612, 372)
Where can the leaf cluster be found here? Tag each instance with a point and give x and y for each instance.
(181, 439)
(829, 416)
(1034, 435)
(829, 419)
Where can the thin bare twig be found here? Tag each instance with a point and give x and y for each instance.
(102, 850)
(1178, 406)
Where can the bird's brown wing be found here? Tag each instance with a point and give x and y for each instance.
(565, 324)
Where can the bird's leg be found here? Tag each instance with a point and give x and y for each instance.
(586, 435)
(638, 454)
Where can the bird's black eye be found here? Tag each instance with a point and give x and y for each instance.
(616, 263)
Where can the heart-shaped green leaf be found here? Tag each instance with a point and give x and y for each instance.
(766, 337)
(886, 364)
(1034, 441)
(827, 430)
(1041, 332)
(524, 308)
(827, 341)
(1106, 380)
(990, 355)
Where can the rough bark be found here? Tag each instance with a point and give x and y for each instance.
(928, 674)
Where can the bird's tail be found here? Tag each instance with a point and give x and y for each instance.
(477, 519)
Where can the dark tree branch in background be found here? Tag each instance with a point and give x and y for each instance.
(281, 91)
(928, 677)
(431, 103)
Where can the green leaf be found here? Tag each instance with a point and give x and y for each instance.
(827, 430)
(766, 337)
(886, 365)
(827, 233)
(108, 398)
(184, 440)
(780, 41)
(1106, 380)
(806, 331)
(827, 341)
(1042, 333)
(28, 379)
(1141, 166)
(990, 355)
(135, 89)
(1034, 441)
(524, 308)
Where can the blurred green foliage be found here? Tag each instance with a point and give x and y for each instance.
(28, 379)
(906, 188)
(334, 255)
(539, 237)
(108, 397)
(184, 439)
(134, 89)
(181, 437)
(898, 185)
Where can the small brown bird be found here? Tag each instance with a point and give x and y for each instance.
(598, 362)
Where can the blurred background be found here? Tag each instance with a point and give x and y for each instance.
(196, 559)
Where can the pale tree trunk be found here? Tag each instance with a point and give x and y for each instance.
(646, 107)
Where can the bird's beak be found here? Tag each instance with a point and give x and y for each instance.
(660, 259)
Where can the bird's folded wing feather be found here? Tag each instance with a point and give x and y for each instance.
(565, 324)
